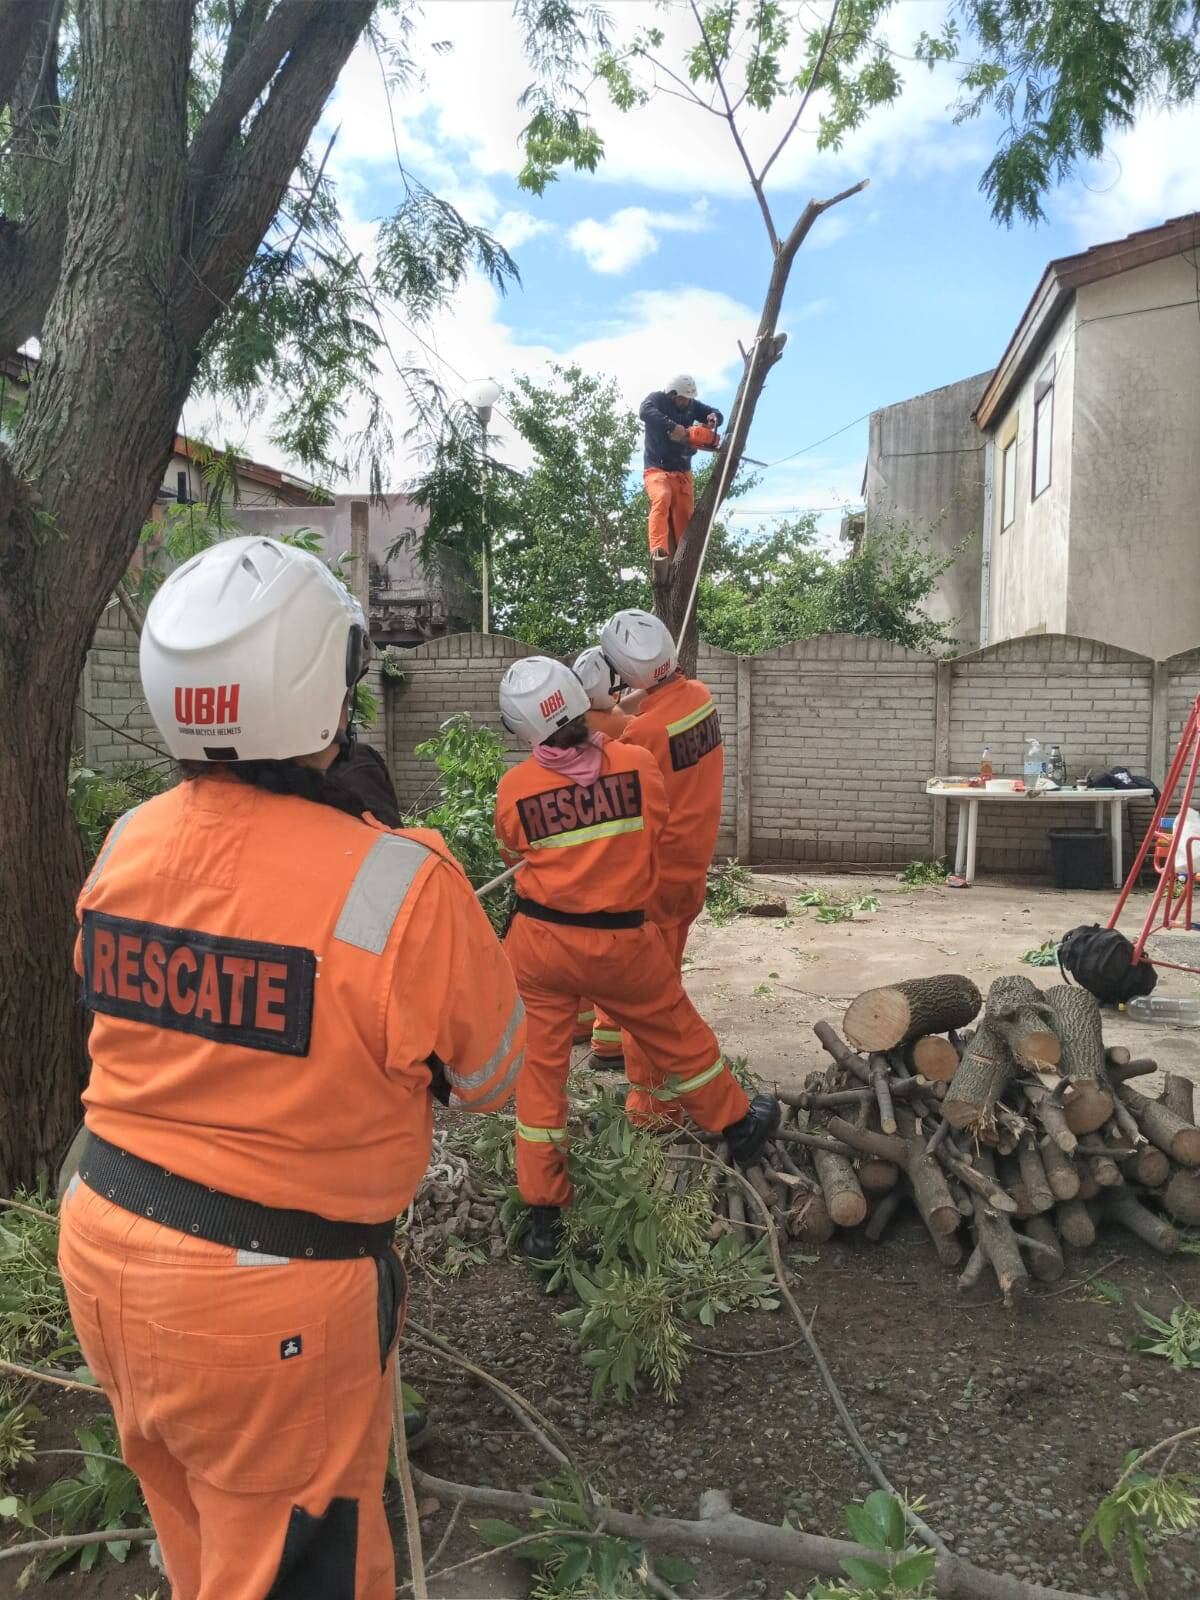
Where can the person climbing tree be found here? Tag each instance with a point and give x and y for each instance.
(677, 425)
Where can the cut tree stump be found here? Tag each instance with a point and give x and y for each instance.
(844, 1199)
(1033, 1175)
(934, 1058)
(1150, 1167)
(1182, 1197)
(1121, 1206)
(1046, 1263)
(1179, 1096)
(879, 1177)
(1180, 1139)
(1016, 1011)
(1089, 1101)
(809, 1221)
(1060, 1171)
(881, 1019)
(1074, 1224)
(938, 1208)
(982, 1073)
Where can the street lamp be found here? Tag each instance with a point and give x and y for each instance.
(481, 396)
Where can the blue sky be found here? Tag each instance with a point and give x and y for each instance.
(658, 263)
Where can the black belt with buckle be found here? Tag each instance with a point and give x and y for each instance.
(151, 1191)
(579, 919)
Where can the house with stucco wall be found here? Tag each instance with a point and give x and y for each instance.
(1075, 462)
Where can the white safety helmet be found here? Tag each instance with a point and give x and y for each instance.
(248, 652)
(597, 677)
(639, 648)
(538, 696)
(684, 385)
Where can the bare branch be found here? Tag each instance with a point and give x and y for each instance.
(811, 212)
(806, 96)
(956, 1578)
(76, 1541)
(757, 187)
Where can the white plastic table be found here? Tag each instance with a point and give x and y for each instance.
(969, 801)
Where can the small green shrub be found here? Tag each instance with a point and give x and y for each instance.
(97, 799)
(1143, 1509)
(903, 1572)
(102, 1495)
(923, 874)
(725, 891)
(470, 763)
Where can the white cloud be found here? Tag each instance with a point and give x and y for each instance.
(631, 234)
(1149, 173)
(515, 228)
(463, 118)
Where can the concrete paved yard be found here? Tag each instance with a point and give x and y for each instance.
(763, 982)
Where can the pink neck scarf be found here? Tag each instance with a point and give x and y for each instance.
(581, 763)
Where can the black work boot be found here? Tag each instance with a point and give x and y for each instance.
(599, 1063)
(541, 1239)
(747, 1137)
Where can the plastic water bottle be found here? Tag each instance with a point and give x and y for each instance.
(1033, 763)
(1173, 1010)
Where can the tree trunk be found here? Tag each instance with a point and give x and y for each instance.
(1121, 1206)
(1033, 1175)
(979, 1082)
(1180, 1139)
(934, 1058)
(1075, 1225)
(844, 1199)
(1017, 1012)
(1046, 1264)
(882, 1019)
(1182, 1198)
(1150, 1167)
(671, 599)
(124, 318)
(1060, 1171)
(1088, 1103)
(1179, 1096)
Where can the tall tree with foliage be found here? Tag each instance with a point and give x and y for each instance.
(770, 588)
(1062, 74)
(572, 524)
(162, 225)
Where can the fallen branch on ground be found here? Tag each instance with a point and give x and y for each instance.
(728, 1532)
(77, 1541)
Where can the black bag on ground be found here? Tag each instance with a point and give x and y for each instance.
(1101, 961)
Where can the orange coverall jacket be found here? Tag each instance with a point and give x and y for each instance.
(269, 978)
(678, 724)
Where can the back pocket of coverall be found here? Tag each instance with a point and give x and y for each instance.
(85, 1315)
(244, 1412)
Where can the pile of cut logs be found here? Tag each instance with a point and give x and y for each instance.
(1010, 1141)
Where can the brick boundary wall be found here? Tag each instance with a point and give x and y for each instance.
(828, 741)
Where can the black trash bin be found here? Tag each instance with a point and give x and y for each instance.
(1079, 858)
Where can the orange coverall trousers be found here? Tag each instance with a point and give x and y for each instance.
(672, 496)
(632, 973)
(249, 1401)
(610, 1043)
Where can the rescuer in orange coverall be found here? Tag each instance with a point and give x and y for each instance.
(586, 815)
(677, 723)
(279, 985)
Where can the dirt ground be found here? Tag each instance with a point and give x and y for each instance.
(763, 982)
(1010, 1426)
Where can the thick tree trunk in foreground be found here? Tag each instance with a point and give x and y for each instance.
(149, 254)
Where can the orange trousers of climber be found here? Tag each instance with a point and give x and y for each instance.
(672, 496)
(249, 1400)
(630, 971)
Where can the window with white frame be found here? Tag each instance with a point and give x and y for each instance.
(1008, 484)
(1043, 427)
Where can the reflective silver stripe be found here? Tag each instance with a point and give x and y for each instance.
(114, 833)
(466, 1081)
(502, 1089)
(377, 893)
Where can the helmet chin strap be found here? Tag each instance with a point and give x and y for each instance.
(346, 738)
